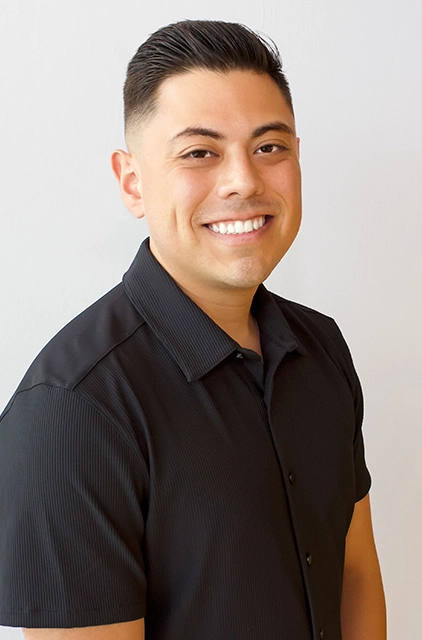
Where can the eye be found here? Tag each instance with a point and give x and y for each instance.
(198, 154)
(271, 148)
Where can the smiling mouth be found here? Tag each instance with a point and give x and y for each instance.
(238, 227)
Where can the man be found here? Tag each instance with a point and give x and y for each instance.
(188, 451)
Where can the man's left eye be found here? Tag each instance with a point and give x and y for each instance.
(270, 148)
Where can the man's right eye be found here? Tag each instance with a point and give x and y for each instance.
(198, 154)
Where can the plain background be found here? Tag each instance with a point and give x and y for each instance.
(65, 238)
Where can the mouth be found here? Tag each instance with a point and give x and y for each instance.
(238, 227)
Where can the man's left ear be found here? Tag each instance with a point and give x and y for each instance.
(298, 146)
(126, 172)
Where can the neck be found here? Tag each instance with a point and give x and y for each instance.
(231, 311)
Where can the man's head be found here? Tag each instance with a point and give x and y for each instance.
(213, 160)
(195, 44)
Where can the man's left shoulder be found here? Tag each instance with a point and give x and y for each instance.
(300, 313)
(311, 326)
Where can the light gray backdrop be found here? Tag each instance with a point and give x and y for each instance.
(65, 237)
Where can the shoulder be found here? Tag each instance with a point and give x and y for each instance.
(84, 342)
(306, 320)
(317, 331)
(50, 386)
(49, 407)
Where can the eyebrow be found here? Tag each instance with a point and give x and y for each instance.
(282, 127)
(216, 135)
(198, 131)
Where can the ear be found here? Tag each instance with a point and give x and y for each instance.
(298, 146)
(127, 174)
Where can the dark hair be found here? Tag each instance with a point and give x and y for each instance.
(196, 44)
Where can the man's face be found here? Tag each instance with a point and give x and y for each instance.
(218, 172)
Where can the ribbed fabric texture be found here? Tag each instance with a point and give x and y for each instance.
(71, 497)
(144, 471)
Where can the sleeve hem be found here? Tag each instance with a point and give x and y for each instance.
(363, 488)
(70, 619)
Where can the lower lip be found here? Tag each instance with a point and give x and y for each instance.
(242, 238)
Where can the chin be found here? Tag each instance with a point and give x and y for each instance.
(248, 275)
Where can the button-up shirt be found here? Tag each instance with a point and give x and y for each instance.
(151, 467)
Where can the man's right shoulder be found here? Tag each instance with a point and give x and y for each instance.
(84, 342)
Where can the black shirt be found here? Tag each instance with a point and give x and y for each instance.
(151, 467)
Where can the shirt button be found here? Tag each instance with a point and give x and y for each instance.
(239, 355)
(321, 634)
(292, 477)
(309, 559)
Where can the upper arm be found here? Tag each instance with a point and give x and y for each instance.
(133, 630)
(360, 545)
(72, 492)
(363, 613)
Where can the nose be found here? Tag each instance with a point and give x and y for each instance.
(239, 177)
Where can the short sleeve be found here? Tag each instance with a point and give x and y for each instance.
(72, 525)
(362, 475)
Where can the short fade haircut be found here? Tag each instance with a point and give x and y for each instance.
(195, 44)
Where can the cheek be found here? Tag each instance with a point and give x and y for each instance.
(295, 180)
(286, 179)
(178, 194)
(191, 188)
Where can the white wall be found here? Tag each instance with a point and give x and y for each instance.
(65, 238)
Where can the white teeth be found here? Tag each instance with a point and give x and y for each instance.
(238, 227)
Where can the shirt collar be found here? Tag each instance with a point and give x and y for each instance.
(194, 340)
(272, 322)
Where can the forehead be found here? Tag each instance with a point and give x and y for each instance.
(209, 98)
